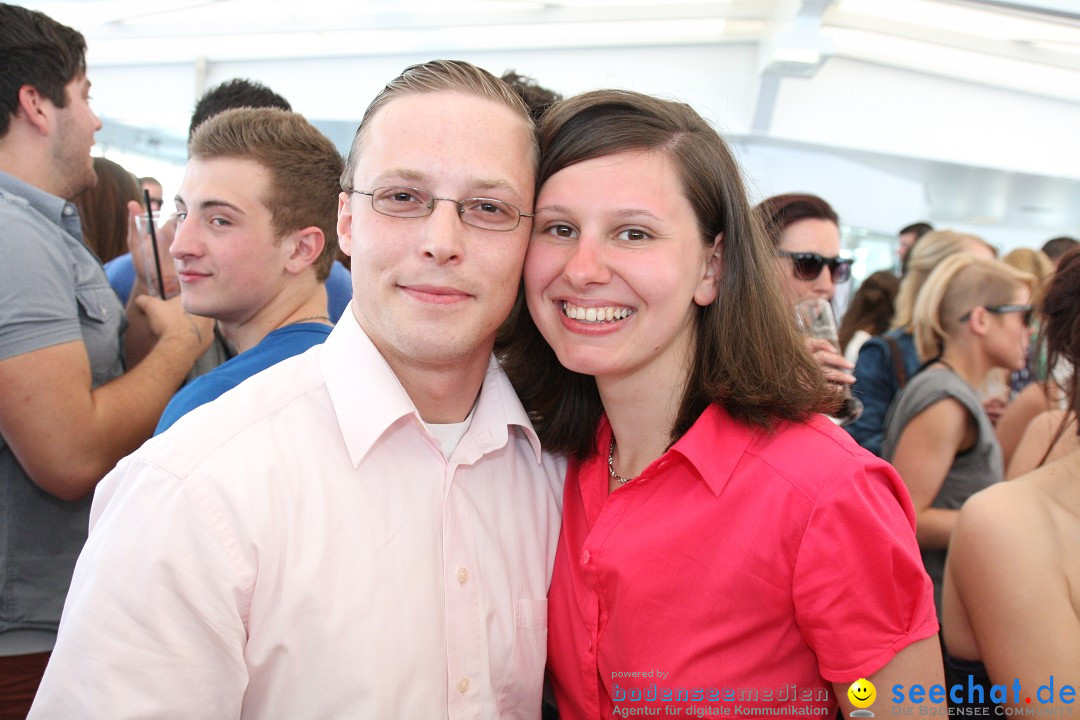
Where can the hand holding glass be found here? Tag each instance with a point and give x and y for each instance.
(150, 251)
(816, 319)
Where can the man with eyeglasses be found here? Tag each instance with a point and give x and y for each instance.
(366, 530)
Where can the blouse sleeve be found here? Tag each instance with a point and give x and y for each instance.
(861, 593)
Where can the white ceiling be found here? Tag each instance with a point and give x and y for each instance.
(905, 32)
(1030, 49)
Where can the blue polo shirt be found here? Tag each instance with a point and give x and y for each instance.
(275, 347)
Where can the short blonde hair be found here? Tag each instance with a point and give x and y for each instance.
(927, 254)
(439, 76)
(961, 282)
(1034, 262)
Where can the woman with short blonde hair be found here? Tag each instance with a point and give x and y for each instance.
(887, 362)
(972, 315)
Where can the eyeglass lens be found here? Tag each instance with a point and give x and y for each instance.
(484, 213)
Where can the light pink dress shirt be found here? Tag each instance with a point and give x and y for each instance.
(300, 548)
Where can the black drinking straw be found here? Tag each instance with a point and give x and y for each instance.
(153, 241)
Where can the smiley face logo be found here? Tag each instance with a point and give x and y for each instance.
(862, 693)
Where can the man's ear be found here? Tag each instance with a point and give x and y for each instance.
(307, 246)
(709, 286)
(344, 223)
(35, 108)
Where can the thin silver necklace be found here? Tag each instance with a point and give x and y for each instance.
(309, 318)
(611, 464)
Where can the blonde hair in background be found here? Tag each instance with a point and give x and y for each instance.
(927, 254)
(1035, 262)
(959, 284)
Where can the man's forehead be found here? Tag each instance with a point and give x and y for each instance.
(418, 112)
(233, 179)
(489, 141)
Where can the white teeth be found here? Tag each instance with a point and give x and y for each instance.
(596, 314)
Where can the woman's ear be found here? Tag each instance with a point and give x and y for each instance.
(979, 322)
(709, 287)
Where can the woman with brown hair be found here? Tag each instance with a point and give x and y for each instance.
(103, 209)
(869, 313)
(660, 354)
(806, 233)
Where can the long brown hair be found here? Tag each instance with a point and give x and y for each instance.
(1060, 331)
(871, 307)
(103, 211)
(749, 357)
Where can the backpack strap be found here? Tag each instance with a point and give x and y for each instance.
(898, 361)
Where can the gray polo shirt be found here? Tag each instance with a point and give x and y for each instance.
(52, 291)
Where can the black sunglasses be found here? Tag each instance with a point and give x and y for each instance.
(808, 266)
(1028, 310)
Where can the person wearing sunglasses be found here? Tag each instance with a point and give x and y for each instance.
(806, 231)
(972, 315)
(886, 362)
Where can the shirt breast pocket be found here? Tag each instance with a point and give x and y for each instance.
(101, 320)
(520, 694)
(97, 304)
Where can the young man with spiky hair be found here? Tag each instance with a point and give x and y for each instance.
(255, 240)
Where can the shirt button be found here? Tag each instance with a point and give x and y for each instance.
(68, 210)
(462, 685)
(462, 576)
(585, 557)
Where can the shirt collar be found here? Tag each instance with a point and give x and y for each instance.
(714, 430)
(55, 209)
(369, 399)
(714, 445)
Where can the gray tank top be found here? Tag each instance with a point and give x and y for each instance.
(971, 471)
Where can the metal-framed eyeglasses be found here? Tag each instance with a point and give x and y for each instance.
(478, 212)
(1028, 310)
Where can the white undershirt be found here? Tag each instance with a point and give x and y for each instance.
(450, 434)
